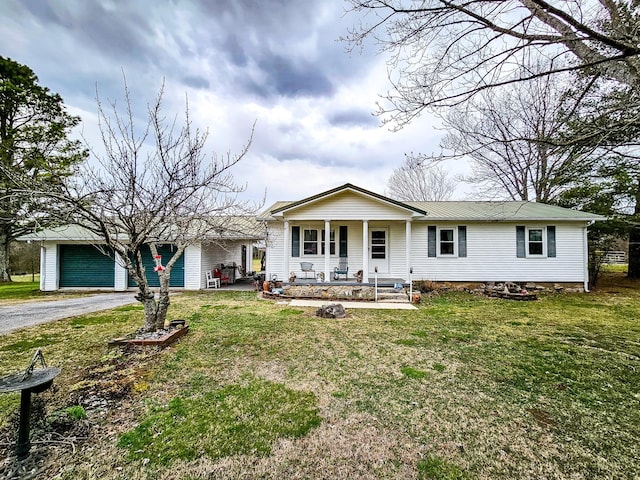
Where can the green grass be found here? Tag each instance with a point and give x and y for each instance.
(20, 290)
(465, 387)
(434, 468)
(232, 420)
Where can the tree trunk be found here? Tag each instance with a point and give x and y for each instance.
(147, 298)
(163, 300)
(4, 257)
(634, 244)
(634, 253)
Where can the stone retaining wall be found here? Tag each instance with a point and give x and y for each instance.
(332, 292)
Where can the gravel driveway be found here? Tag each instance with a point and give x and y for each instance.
(13, 317)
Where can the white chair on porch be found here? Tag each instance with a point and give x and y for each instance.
(212, 281)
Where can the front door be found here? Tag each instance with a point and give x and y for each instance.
(379, 250)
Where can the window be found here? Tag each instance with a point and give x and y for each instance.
(447, 243)
(332, 242)
(310, 242)
(535, 241)
(378, 244)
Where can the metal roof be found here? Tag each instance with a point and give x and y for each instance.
(65, 232)
(235, 228)
(501, 211)
(481, 211)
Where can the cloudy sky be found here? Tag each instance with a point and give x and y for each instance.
(277, 63)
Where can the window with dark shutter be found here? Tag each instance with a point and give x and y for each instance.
(295, 241)
(343, 241)
(520, 242)
(432, 241)
(551, 241)
(462, 241)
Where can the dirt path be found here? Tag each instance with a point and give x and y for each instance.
(13, 317)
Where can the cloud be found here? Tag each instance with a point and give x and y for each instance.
(273, 62)
(350, 118)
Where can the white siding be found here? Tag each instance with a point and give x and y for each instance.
(50, 282)
(347, 206)
(397, 249)
(275, 252)
(192, 267)
(491, 256)
(121, 276)
(491, 253)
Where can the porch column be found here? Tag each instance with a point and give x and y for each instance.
(365, 250)
(286, 251)
(327, 250)
(407, 237)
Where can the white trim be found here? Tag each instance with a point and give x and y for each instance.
(543, 241)
(407, 247)
(193, 276)
(317, 241)
(287, 247)
(585, 249)
(120, 275)
(327, 248)
(454, 240)
(365, 249)
(43, 267)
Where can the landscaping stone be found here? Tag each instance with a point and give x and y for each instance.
(334, 310)
(335, 292)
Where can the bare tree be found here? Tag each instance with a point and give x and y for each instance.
(154, 186)
(509, 134)
(444, 52)
(419, 180)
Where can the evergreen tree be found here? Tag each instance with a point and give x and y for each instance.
(34, 149)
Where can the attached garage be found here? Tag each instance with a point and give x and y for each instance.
(177, 272)
(85, 266)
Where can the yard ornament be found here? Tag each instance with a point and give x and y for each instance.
(158, 267)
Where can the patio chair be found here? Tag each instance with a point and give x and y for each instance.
(341, 269)
(212, 281)
(224, 279)
(307, 267)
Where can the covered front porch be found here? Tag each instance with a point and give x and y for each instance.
(355, 252)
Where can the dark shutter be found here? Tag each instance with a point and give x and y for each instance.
(551, 241)
(431, 241)
(462, 241)
(295, 241)
(520, 242)
(343, 241)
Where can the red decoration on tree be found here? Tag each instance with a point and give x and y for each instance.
(158, 267)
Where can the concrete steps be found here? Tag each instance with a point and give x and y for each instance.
(390, 295)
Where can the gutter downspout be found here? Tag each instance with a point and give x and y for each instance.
(585, 247)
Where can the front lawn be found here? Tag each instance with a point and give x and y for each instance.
(20, 289)
(464, 388)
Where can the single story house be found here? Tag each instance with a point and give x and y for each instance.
(72, 257)
(438, 241)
